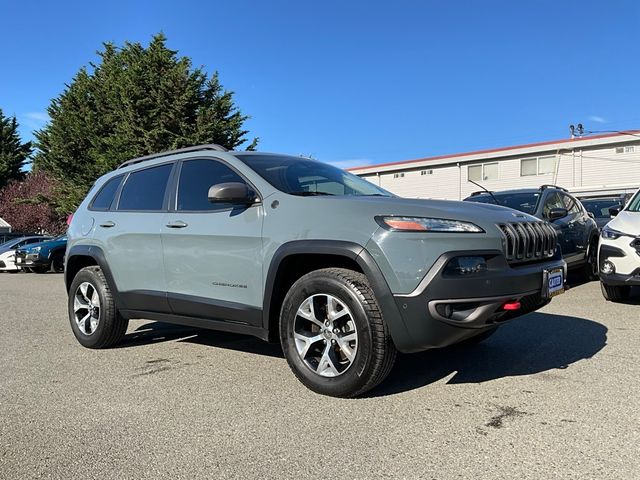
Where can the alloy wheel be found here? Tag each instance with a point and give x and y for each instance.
(325, 335)
(86, 308)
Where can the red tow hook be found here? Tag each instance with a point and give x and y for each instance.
(511, 306)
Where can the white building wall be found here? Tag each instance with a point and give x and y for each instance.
(589, 167)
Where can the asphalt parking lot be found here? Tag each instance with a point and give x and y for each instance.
(554, 394)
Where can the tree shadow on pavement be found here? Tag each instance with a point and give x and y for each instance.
(531, 344)
(155, 332)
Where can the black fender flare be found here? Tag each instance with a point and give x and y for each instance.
(97, 255)
(352, 251)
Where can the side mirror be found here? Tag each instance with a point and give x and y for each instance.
(613, 211)
(591, 215)
(557, 213)
(233, 192)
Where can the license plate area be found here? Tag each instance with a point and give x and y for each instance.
(553, 282)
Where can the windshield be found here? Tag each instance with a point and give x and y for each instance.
(302, 176)
(525, 202)
(634, 203)
(10, 243)
(600, 207)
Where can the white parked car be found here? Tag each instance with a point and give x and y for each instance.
(619, 252)
(8, 250)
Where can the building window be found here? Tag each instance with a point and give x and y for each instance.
(426, 172)
(486, 171)
(546, 165)
(398, 175)
(538, 166)
(629, 149)
(619, 149)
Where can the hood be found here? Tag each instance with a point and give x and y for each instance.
(454, 210)
(626, 222)
(47, 244)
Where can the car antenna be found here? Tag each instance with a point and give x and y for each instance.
(485, 189)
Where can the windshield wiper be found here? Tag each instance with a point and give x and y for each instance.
(305, 193)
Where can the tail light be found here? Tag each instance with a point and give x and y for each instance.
(69, 219)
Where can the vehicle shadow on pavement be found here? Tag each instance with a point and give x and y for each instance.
(155, 332)
(531, 344)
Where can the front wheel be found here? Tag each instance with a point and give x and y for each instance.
(615, 293)
(590, 269)
(333, 334)
(92, 313)
(57, 263)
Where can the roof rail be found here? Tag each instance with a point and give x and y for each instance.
(544, 187)
(196, 148)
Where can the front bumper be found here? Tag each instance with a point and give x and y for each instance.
(623, 254)
(446, 309)
(30, 260)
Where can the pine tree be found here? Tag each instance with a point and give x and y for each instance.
(135, 101)
(13, 153)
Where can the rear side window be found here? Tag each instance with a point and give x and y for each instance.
(104, 198)
(145, 189)
(196, 176)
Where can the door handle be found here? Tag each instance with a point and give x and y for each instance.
(108, 224)
(177, 224)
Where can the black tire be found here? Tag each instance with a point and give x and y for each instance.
(40, 269)
(469, 342)
(111, 325)
(590, 269)
(375, 353)
(615, 293)
(57, 263)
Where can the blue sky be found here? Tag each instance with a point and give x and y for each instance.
(359, 82)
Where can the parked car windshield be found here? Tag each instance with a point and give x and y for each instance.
(305, 177)
(525, 202)
(599, 207)
(10, 243)
(634, 203)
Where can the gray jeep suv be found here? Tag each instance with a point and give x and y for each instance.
(288, 249)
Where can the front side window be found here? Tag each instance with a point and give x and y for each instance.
(570, 204)
(104, 198)
(144, 190)
(553, 201)
(196, 177)
(304, 177)
(634, 203)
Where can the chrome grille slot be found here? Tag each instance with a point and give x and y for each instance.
(528, 241)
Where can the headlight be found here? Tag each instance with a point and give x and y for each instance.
(36, 249)
(421, 224)
(611, 234)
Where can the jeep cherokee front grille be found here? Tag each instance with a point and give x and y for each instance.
(528, 241)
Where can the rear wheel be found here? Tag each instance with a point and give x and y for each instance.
(333, 334)
(615, 293)
(94, 319)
